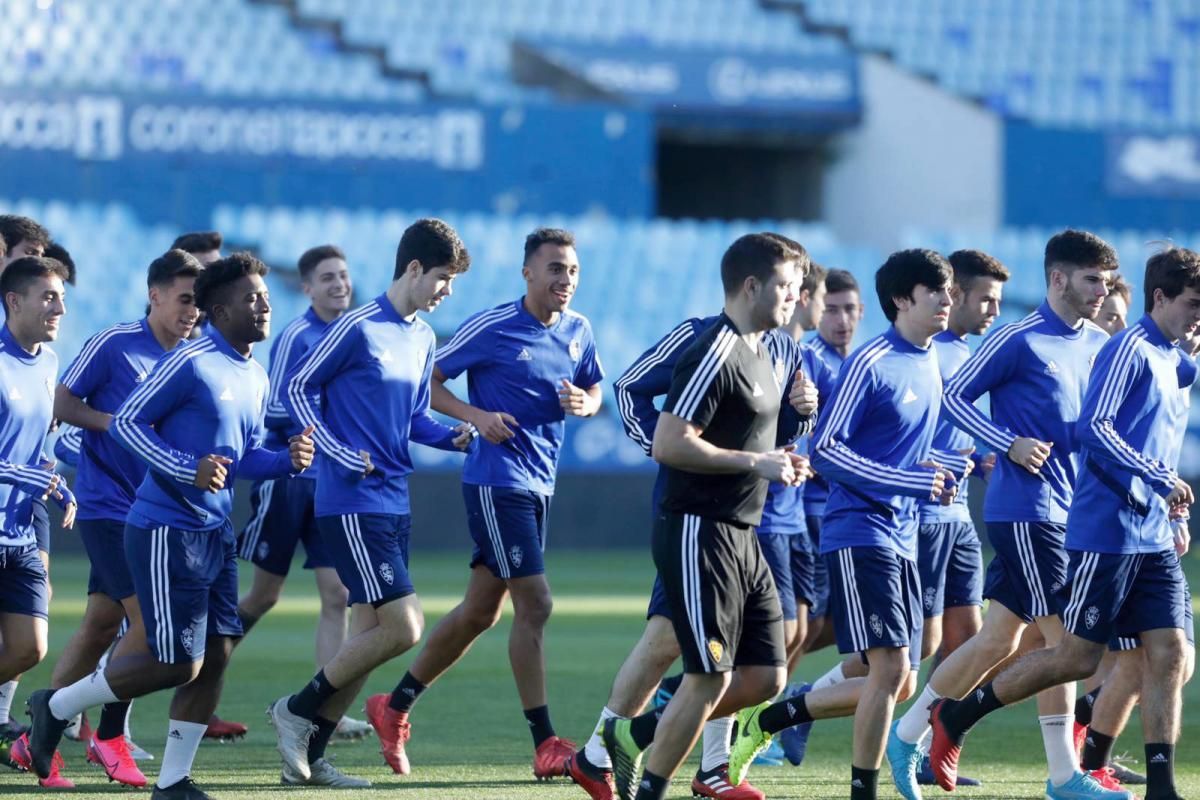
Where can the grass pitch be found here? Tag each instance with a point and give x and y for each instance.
(469, 738)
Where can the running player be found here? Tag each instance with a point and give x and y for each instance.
(365, 388)
(1125, 578)
(282, 514)
(107, 370)
(196, 422)
(875, 443)
(529, 364)
(32, 291)
(716, 437)
(1034, 371)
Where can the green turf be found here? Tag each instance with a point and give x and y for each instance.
(470, 740)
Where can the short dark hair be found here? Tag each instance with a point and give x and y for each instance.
(839, 280)
(59, 253)
(173, 264)
(541, 236)
(315, 255)
(907, 269)
(814, 278)
(16, 229)
(217, 277)
(18, 275)
(1118, 285)
(3, 247)
(797, 251)
(431, 243)
(1171, 270)
(751, 256)
(971, 264)
(198, 242)
(1070, 250)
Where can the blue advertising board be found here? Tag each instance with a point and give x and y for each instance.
(1153, 165)
(174, 159)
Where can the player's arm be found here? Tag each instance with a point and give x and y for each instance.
(285, 352)
(988, 367)
(961, 464)
(1115, 373)
(169, 385)
(82, 378)
(647, 378)
(73, 410)
(581, 396)
(67, 445)
(332, 353)
(470, 347)
(262, 464)
(837, 461)
(424, 428)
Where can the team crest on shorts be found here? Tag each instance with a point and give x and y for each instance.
(263, 549)
(574, 350)
(186, 639)
(876, 625)
(385, 572)
(716, 650)
(516, 555)
(930, 594)
(1091, 617)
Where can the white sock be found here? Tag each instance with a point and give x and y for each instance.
(831, 678)
(594, 749)
(81, 695)
(128, 711)
(915, 722)
(183, 740)
(7, 692)
(716, 743)
(1060, 748)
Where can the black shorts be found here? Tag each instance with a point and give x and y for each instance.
(724, 605)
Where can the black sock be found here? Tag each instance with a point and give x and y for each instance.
(864, 783)
(959, 715)
(1097, 750)
(406, 693)
(308, 701)
(320, 738)
(652, 787)
(643, 726)
(539, 724)
(784, 714)
(112, 720)
(1084, 705)
(1160, 771)
(671, 683)
(248, 620)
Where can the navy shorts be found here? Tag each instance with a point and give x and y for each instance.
(1029, 568)
(509, 528)
(281, 515)
(104, 540)
(1117, 596)
(41, 524)
(187, 587)
(370, 552)
(24, 584)
(659, 607)
(950, 563)
(792, 566)
(875, 600)
(819, 605)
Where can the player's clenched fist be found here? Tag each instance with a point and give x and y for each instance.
(301, 450)
(1029, 453)
(211, 472)
(777, 466)
(494, 426)
(803, 396)
(1181, 495)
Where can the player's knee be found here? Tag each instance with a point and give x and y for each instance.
(772, 683)
(334, 599)
(1168, 658)
(908, 688)
(535, 611)
(478, 620)
(26, 657)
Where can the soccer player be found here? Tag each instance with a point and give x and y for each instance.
(32, 291)
(1034, 372)
(1125, 577)
(648, 378)
(365, 389)
(841, 314)
(109, 367)
(282, 511)
(529, 364)
(196, 422)
(22, 237)
(1116, 306)
(875, 443)
(716, 437)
